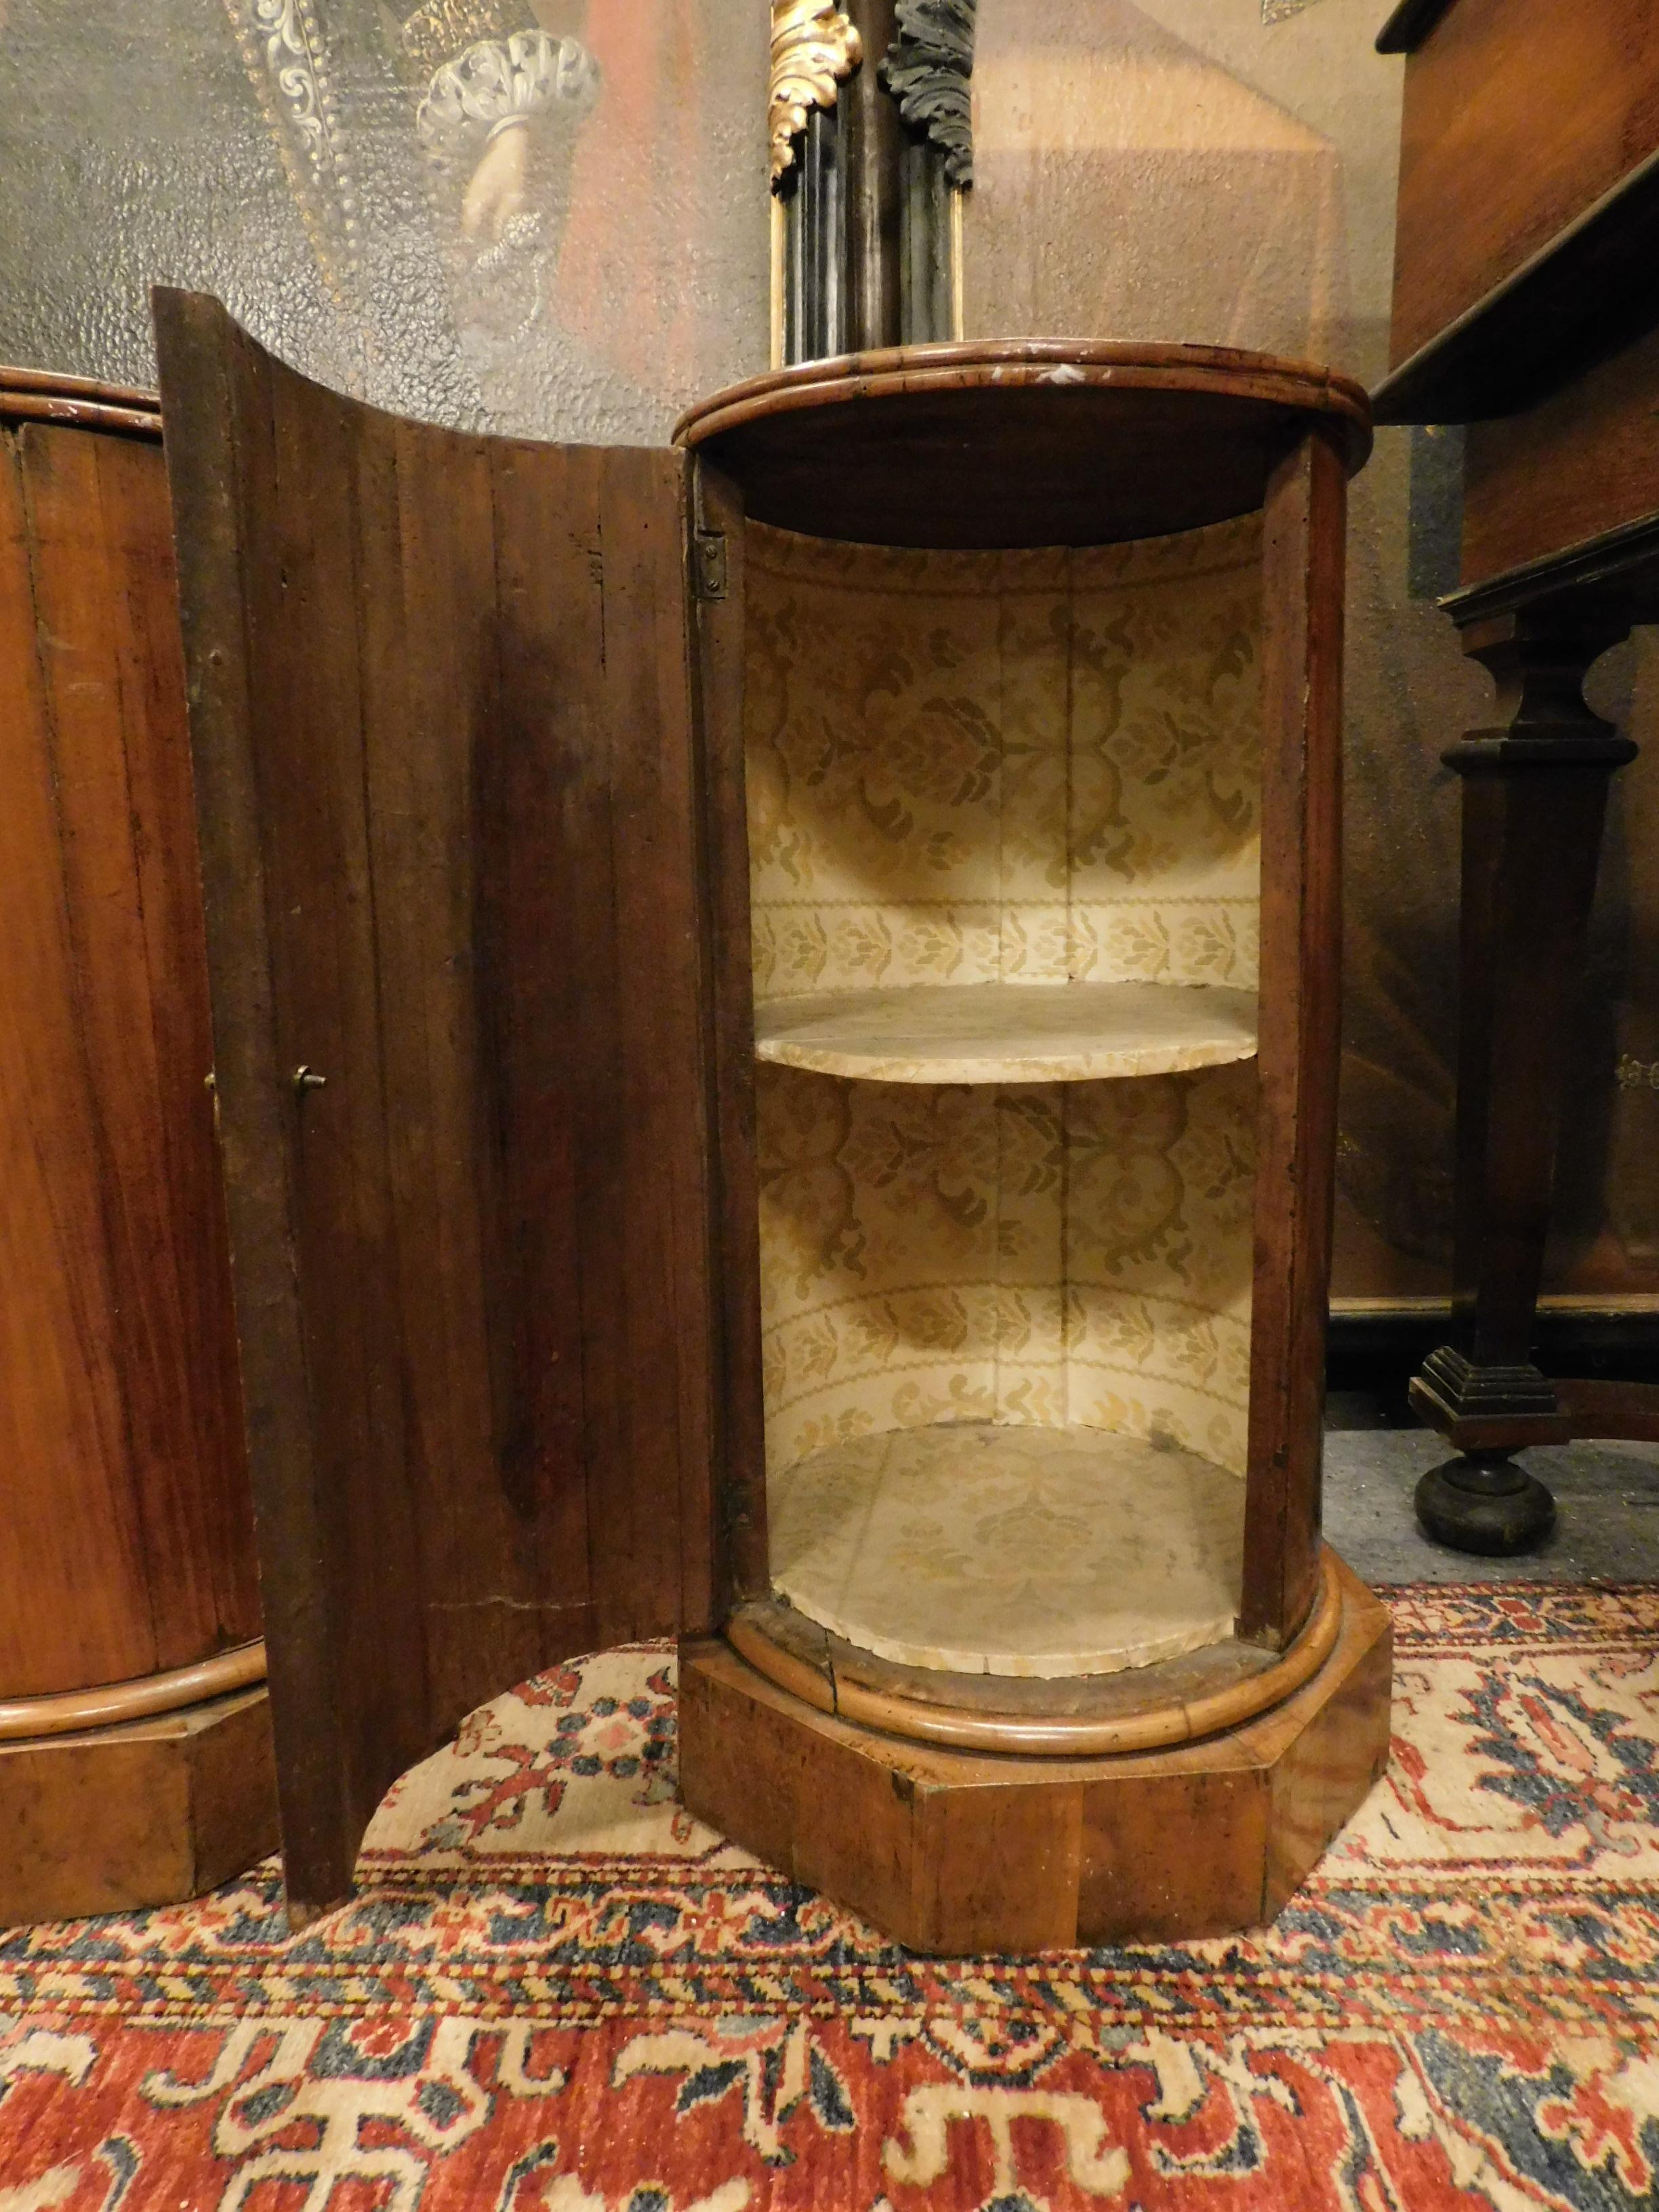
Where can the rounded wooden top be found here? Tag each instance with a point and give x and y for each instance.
(41, 395)
(1029, 442)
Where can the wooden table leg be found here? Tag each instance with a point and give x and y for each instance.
(1534, 798)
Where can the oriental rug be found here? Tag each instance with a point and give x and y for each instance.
(556, 1993)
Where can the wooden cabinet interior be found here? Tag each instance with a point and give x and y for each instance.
(821, 947)
(1021, 793)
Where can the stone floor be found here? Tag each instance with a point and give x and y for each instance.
(1607, 1495)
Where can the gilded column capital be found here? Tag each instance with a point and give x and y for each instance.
(814, 47)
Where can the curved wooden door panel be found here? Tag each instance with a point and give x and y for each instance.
(440, 697)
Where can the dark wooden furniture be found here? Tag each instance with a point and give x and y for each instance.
(871, 120)
(598, 1228)
(135, 1759)
(1529, 217)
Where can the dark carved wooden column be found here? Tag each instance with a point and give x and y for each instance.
(1535, 798)
(872, 143)
(929, 71)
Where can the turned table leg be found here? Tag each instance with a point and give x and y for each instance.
(1535, 798)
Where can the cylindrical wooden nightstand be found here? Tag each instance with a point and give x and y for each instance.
(135, 1762)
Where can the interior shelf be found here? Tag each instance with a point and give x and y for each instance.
(978, 1548)
(1009, 1032)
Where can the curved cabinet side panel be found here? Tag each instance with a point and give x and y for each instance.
(126, 1543)
(1299, 1030)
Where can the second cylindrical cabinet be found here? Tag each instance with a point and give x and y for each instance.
(134, 1737)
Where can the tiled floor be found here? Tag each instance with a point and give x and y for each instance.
(1607, 1494)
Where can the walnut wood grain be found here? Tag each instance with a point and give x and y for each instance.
(35, 395)
(440, 694)
(1581, 463)
(1149, 1708)
(955, 1851)
(126, 1545)
(110, 1703)
(1519, 116)
(1030, 443)
(736, 1542)
(147, 1812)
(1298, 1047)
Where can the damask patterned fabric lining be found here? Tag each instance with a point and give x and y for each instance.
(969, 767)
(1059, 1253)
(1038, 766)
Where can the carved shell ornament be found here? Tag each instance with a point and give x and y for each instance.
(814, 46)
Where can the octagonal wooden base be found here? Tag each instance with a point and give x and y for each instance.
(952, 1852)
(147, 1812)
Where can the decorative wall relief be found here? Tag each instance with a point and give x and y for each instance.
(929, 70)
(814, 47)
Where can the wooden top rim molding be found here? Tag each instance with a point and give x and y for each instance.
(70, 1712)
(1024, 442)
(1409, 25)
(1014, 364)
(1157, 1726)
(40, 395)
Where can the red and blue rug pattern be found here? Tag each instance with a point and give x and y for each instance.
(556, 1993)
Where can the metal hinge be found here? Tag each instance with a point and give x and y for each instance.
(713, 571)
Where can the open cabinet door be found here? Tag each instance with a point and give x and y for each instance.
(440, 692)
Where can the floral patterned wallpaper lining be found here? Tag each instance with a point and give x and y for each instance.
(971, 767)
(981, 766)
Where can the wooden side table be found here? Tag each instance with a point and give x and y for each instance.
(1529, 220)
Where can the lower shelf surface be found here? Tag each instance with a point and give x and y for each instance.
(973, 1547)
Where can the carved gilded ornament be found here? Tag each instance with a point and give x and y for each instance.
(814, 47)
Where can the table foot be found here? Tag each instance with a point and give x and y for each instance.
(1485, 1503)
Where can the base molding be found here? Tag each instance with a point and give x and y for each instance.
(951, 1852)
(1486, 1408)
(147, 1812)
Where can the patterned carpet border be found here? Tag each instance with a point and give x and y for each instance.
(556, 1993)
